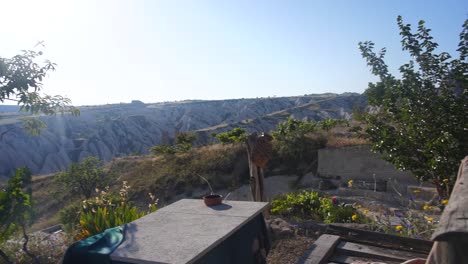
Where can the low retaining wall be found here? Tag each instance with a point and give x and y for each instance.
(359, 163)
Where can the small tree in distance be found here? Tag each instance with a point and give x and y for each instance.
(291, 140)
(419, 124)
(84, 177)
(236, 135)
(329, 123)
(184, 140)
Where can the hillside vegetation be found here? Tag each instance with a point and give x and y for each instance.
(173, 176)
(110, 131)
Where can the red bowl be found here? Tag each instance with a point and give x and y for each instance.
(212, 199)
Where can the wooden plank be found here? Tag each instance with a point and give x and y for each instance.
(320, 251)
(343, 259)
(381, 240)
(454, 219)
(360, 250)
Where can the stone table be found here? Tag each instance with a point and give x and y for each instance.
(184, 231)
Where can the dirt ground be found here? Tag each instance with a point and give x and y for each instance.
(289, 250)
(290, 240)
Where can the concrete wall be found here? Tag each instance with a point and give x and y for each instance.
(358, 162)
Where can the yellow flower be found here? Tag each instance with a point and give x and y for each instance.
(399, 228)
(366, 211)
(426, 207)
(431, 207)
(445, 180)
(354, 217)
(430, 219)
(350, 183)
(445, 201)
(416, 191)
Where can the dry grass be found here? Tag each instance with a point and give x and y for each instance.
(49, 198)
(166, 176)
(169, 175)
(339, 142)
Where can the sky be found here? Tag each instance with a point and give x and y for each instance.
(166, 50)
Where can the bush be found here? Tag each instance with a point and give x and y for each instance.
(237, 135)
(164, 150)
(293, 142)
(109, 210)
(339, 213)
(309, 205)
(82, 178)
(329, 123)
(298, 205)
(183, 144)
(70, 217)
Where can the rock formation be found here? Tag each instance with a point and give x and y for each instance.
(109, 131)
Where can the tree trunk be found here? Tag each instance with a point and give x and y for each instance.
(25, 246)
(258, 154)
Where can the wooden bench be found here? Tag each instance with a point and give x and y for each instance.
(347, 245)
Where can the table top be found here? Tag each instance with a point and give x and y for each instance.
(183, 231)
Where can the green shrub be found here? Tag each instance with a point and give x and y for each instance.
(109, 210)
(294, 142)
(70, 217)
(236, 135)
(184, 141)
(164, 150)
(333, 213)
(330, 123)
(82, 178)
(186, 138)
(309, 205)
(298, 205)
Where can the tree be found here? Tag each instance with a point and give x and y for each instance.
(21, 82)
(83, 178)
(419, 122)
(16, 210)
(329, 123)
(292, 142)
(184, 140)
(236, 135)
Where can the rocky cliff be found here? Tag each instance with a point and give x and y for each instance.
(108, 131)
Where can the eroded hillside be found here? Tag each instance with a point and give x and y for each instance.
(110, 131)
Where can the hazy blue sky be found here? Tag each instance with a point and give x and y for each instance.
(116, 51)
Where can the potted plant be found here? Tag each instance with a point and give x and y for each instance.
(211, 199)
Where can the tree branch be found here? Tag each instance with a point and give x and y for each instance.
(9, 99)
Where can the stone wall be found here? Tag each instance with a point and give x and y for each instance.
(359, 163)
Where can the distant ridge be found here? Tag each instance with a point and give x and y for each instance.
(113, 130)
(9, 108)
